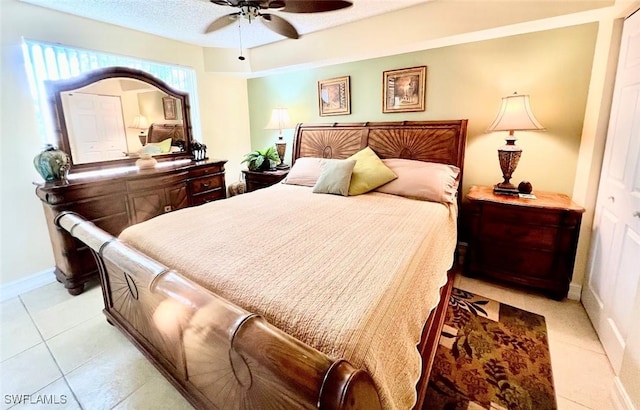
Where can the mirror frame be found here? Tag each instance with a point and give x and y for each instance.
(55, 88)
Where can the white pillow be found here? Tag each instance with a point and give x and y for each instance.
(426, 181)
(305, 171)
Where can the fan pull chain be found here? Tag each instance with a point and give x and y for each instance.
(241, 57)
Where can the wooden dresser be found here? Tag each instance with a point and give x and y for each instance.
(529, 242)
(115, 201)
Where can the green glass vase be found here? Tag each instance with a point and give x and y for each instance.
(52, 164)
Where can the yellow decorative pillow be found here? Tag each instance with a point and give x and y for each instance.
(165, 145)
(369, 173)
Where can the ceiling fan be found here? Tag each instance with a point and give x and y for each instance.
(252, 10)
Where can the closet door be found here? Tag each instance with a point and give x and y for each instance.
(614, 266)
(95, 126)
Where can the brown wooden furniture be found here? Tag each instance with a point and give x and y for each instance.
(115, 201)
(160, 132)
(219, 355)
(529, 242)
(256, 180)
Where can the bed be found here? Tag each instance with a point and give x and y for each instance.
(161, 132)
(287, 298)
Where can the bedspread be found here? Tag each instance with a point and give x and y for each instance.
(354, 277)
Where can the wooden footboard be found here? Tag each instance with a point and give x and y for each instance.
(216, 353)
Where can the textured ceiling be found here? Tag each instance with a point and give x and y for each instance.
(186, 20)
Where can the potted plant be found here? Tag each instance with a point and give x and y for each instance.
(262, 159)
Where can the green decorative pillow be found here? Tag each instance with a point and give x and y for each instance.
(335, 176)
(369, 173)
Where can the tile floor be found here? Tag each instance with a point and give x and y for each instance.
(60, 347)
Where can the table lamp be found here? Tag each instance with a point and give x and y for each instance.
(514, 115)
(280, 121)
(140, 122)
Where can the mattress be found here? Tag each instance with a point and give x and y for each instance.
(354, 277)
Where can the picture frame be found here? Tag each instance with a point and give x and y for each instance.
(403, 90)
(334, 96)
(169, 108)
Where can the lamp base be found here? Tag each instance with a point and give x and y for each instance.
(505, 189)
(282, 166)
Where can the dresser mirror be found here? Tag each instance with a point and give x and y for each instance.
(107, 117)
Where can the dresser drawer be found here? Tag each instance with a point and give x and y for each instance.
(518, 215)
(55, 195)
(207, 170)
(160, 181)
(209, 196)
(537, 236)
(204, 184)
(98, 208)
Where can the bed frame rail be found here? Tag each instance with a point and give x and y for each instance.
(216, 354)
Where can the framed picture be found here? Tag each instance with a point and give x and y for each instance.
(169, 107)
(333, 96)
(404, 90)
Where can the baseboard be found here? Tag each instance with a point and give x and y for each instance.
(575, 291)
(621, 400)
(12, 289)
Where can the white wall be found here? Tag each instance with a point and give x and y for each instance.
(24, 242)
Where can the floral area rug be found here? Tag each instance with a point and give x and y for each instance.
(491, 356)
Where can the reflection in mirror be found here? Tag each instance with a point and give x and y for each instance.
(109, 116)
(110, 119)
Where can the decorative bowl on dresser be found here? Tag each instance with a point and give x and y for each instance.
(103, 184)
(262, 179)
(528, 242)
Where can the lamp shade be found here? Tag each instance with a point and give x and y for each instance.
(140, 122)
(279, 120)
(515, 114)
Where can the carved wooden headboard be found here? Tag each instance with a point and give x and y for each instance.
(431, 141)
(160, 132)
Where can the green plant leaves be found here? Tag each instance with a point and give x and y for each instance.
(256, 159)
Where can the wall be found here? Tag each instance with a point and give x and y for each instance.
(25, 247)
(465, 81)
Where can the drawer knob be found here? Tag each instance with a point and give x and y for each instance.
(206, 185)
(612, 199)
(636, 214)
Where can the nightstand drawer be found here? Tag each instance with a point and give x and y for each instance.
(204, 184)
(519, 233)
(519, 214)
(529, 263)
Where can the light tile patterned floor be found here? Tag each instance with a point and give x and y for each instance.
(58, 346)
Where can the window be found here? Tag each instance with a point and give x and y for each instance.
(45, 61)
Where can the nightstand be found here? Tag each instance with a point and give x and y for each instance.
(528, 242)
(257, 180)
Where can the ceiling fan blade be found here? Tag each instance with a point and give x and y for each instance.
(273, 4)
(222, 22)
(317, 6)
(224, 3)
(279, 25)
